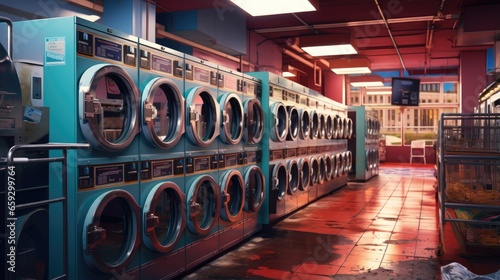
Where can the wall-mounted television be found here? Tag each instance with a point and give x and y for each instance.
(405, 91)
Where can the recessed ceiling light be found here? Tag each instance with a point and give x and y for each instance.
(265, 7)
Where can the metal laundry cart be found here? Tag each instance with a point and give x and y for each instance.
(469, 181)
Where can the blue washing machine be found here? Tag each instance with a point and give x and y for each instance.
(274, 146)
(163, 193)
(364, 146)
(203, 195)
(90, 87)
(232, 156)
(253, 133)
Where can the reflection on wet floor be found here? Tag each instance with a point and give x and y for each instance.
(383, 229)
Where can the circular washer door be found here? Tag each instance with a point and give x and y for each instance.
(348, 161)
(349, 128)
(322, 170)
(329, 127)
(305, 174)
(314, 125)
(314, 171)
(255, 187)
(346, 128)
(111, 231)
(293, 127)
(340, 164)
(293, 176)
(335, 166)
(202, 116)
(279, 179)
(254, 121)
(233, 195)
(369, 127)
(322, 126)
(329, 167)
(336, 127)
(280, 122)
(203, 204)
(164, 217)
(162, 113)
(340, 130)
(231, 118)
(305, 124)
(368, 160)
(108, 107)
(32, 238)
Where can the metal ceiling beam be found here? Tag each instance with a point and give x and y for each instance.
(356, 23)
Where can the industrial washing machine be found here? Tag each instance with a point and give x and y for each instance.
(232, 157)
(163, 193)
(203, 195)
(364, 143)
(97, 103)
(253, 132)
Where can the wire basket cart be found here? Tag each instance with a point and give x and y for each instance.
(469, 181)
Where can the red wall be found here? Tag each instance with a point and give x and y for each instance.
(333, 85)
(472, 78)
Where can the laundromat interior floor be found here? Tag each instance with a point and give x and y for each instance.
(386, 228)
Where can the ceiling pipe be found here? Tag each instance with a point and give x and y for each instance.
(390, 35)
(430, 34)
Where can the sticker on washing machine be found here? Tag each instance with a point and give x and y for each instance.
(32, 115)
(55, 50)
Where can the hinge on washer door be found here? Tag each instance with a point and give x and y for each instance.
(92, 106)
(95, 235)
(150, 112)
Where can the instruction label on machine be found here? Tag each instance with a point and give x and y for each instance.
(55, 50)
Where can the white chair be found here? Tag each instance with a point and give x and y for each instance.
(417, 150)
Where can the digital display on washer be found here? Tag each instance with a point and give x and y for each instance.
(109, 174)
(251, 157)
(85, 43)
(231, 160)
(202, 163)
(107, 49)
(162, 64)
(163, 168)
(202, 75)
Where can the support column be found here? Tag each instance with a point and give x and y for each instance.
(472, 78)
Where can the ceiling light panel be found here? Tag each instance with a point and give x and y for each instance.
(265, 7)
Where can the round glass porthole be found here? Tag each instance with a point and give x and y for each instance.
(336, 127)
(110, 231)
(203, 204)
(294, 179)
(255, 187)
(322, 126)
(348, 161)
(254, 121)
(202, 116)
(164, 217)
(108, 107)
(280, 122)
(335, 166)
(340, 128)
(233, 195)
(293, 128)
(279, 180)
(329, 167)
(349, 128)
(340, 163)
(305, 123)
(231, 119)
(314, 171)
(162, 113)
(368, 159)
(305, 174)
(314, 125)
(329, 127)
(346, 128)
(322, 170)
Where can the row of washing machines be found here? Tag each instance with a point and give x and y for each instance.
(365, 146)
(186, 158)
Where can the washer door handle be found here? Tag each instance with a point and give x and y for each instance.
(152, 221)
(92, 106)
(194, 209)
(150, 112)
(226, 198)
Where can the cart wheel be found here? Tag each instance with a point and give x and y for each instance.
(440, 250)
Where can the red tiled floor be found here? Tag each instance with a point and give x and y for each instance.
(386, 228)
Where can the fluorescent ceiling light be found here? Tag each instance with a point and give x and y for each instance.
(265, 7)
(328, 44)
(344, 66)
(287, 74)
(366, 81)
(378, 92)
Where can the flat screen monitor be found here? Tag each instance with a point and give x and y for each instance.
(405, 91)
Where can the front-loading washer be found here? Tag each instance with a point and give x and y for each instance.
(162, 161)
(90, 80)
(253, 133)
